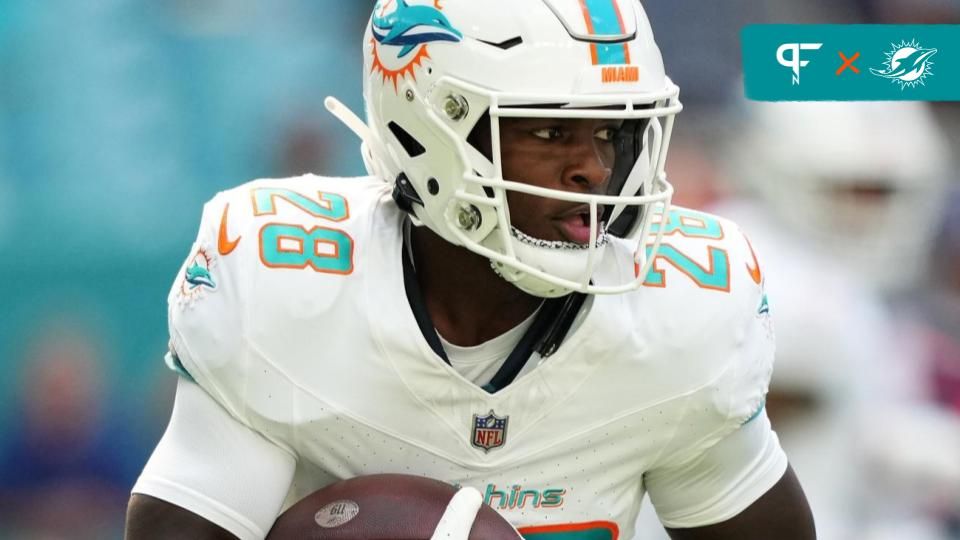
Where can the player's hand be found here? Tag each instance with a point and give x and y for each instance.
(458, 518)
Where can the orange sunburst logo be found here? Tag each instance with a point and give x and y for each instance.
(394, 75)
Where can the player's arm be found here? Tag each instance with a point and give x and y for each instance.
(782, 513)
(740, 488)
(151, 518)
(211, 476)
(740, 485)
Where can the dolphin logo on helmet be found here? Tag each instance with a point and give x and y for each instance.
(417, 133)
(411, 26)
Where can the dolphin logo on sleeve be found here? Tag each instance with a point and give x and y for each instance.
(198, 276)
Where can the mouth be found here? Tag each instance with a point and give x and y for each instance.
(574, 224)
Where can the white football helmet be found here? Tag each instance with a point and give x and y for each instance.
(864, 182)
(435, 68)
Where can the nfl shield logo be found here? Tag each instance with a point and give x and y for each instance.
(489, 431)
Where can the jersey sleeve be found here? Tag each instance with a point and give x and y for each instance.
(720, 482)
(217, 306)
(269, 255)
(724, 455)
(206, 312)
(216, 467)
(212, 434)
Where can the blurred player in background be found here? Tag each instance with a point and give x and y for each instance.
(65, 467)
(862, 183)
(508, 302)
(843, 200)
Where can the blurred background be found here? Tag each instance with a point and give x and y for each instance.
(119, 118)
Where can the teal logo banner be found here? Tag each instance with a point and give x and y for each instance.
(851, 62)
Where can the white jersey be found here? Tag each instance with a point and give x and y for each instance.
(291, 313)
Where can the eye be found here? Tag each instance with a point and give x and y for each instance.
(607, 134)
(548, 133)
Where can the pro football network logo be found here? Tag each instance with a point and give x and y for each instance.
(489, 431)
(401, 33)
(794, 62)
(907, 64)
(197, 276)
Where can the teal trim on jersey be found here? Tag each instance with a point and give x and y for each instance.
(588, 534)
(756, 413)
(176, 366)
(603, 17)
(764, 306)
(339, 262)
(335, 208)
(690, 223)
(716, 276)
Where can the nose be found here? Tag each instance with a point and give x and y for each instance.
(586, 170)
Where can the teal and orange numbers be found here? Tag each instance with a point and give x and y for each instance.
(284, 245)
(715, 275)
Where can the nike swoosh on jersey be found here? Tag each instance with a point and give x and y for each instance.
(754, 268)
(224, 245)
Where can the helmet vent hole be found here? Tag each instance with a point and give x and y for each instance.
(433, 186)
(409, 143)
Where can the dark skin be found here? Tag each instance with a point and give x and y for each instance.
(149, 518)
(571, 155)
(781, 513)
(568, 155)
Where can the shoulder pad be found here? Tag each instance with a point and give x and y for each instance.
(264, 249)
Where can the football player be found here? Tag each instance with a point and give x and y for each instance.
(507, 303)
(849, 233)
(863, 183)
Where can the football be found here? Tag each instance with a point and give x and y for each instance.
(381, 507)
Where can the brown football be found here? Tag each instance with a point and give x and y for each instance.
(380, 507)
